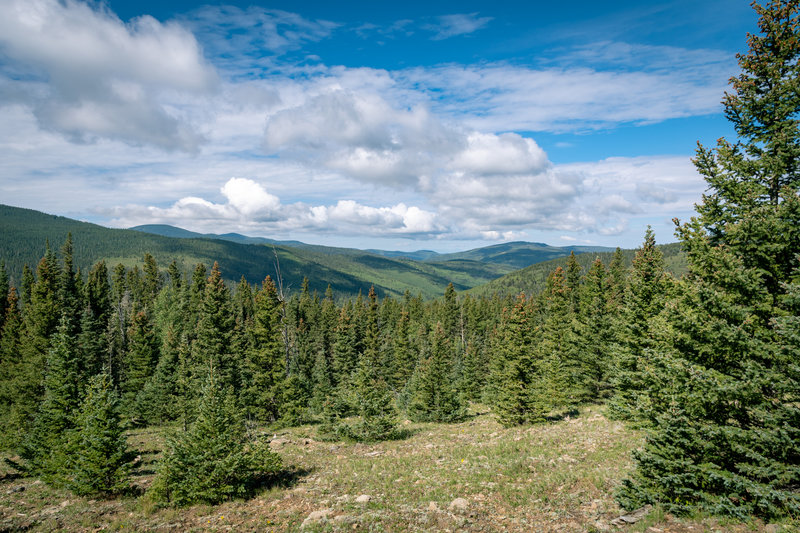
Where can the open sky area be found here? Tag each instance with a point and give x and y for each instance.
(404, 126)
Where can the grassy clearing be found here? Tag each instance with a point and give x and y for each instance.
(555, 477)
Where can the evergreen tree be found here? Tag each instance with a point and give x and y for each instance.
(69, 296)
(26, 287)
(44, 449)
(140, 362)
(99, 462)
(4, 288)
(726, 436)
(152, 282)
(644, 299)
(215, 331)
(375, 408)
(434, 399)
(94, 321)
(216, 459)
(12, 422)
(264, 365)
(597, 334)
(517, 392)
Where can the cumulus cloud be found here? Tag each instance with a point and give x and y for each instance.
(101, 78)
(457, 24)
(249, 207)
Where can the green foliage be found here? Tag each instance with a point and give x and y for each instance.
(44, 448)
(517, 374)
(264, 366)
(99, 462)
(215, 459)
(725, 395)
(433, 397)
(635, 330)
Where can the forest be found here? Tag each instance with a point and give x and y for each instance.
(707, 364)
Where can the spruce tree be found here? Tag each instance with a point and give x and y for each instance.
(518, 380)
(375, 402)
(99, 462)
(215, 331)
(636, 329)
(726, 436)
(44, 449)
(216, 459)
(12, 421)
(4, 288)
(140, 363)
(434, 398)
(264, 368)
(596, 331)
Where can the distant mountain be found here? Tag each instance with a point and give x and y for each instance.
(166, 230)
(512, 254)
(532, 279)
(24, 233)
(518, 254)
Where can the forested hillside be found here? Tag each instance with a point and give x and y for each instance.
(532, 279)
(26, 233)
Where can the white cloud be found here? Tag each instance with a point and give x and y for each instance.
(249, 207)
(578, 95)
(457, 24)
(98, 77)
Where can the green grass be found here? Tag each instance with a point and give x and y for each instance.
(559, 476)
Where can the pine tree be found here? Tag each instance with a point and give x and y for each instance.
(726, 436)
(216, 459)
(99, 462)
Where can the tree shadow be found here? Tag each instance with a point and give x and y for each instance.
(286, 478)
(558, 417)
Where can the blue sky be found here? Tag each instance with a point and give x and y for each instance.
(437, 125)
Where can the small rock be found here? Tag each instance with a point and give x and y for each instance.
(459, 504)
(64, 503)
(364, 498)
(316, 516)
(21, 488)
(342, 518)
(432, 507)
(601, 526)
(373, 454)
(772, 528)
(632, 518)
(279, 442)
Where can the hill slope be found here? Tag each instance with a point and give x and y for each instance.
(533, 279)
(25, 232)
